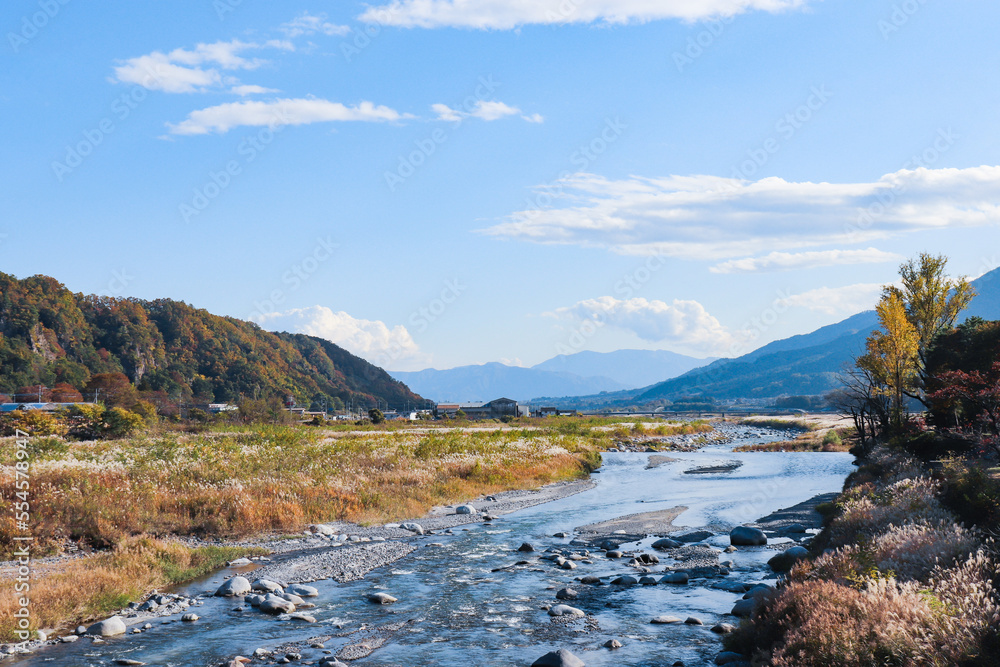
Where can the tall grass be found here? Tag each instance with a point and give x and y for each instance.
(273, 478)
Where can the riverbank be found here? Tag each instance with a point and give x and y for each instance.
(895, 577)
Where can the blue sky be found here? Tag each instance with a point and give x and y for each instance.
(438, 183)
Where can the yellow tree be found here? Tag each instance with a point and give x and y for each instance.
(892, 354)
(933, 302)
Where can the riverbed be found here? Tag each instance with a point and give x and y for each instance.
(464, 601)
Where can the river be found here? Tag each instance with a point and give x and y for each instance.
(453, 610)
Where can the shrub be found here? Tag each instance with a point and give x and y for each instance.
(32, 422)
(832, 438)
(120, 423)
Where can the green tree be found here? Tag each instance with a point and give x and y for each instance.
(376, 416)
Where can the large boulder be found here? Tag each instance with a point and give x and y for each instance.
(745, 536)
(109, 627)
(784, 561)
(266, 586)
(274, 605)
(302, 591)
(624, 580)
(235, 587)
(466, 509)
(413, 527)
(381, 598)
(744, 608)
(560, 658)
(679, 578)
(525, 548)
(666, 620)
(566, 594)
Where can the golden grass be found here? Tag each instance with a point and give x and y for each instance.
(273, 479)
(93, 587)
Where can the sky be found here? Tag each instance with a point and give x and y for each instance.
(435, 183)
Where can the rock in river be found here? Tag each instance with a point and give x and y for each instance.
(526, 548)
(108, 628)
(565, 610)
(745, 536)
(666, 620)
(744, 608)
(266, 586)
(274, 605)
(560, 658)
(381, 598)
(680, 578)
(466, 509)
(566, 594)
(784, 561)
(667, 543)
(302, 591)
(237, 586)
(624, 580)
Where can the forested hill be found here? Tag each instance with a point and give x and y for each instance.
(49, 335)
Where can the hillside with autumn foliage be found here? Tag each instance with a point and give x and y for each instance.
(52, 340)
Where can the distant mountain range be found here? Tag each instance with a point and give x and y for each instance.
(803, 365)
(566, 375)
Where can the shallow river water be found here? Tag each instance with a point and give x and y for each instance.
(457, 612)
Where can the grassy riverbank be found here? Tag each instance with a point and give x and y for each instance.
(262, 479)
(897, 578)
(90, 588)
(128, 498)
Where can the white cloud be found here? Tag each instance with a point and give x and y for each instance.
(251, 90)
(508, 14)
(488, 111)
(190, 71)
(371, 340)
(534, 118)
(278, 113)
(711, 217)
(849, 299)
(684, 323)
(784, 261)
(307, 24)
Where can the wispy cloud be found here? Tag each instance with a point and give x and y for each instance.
(508, 14)
(684, 323)
(201, 69)
(483, 110)
(308, 24)
(281, 112)
(845, 300)
(370, 339)
(245, 90)
(785, 261)
(711, 217)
